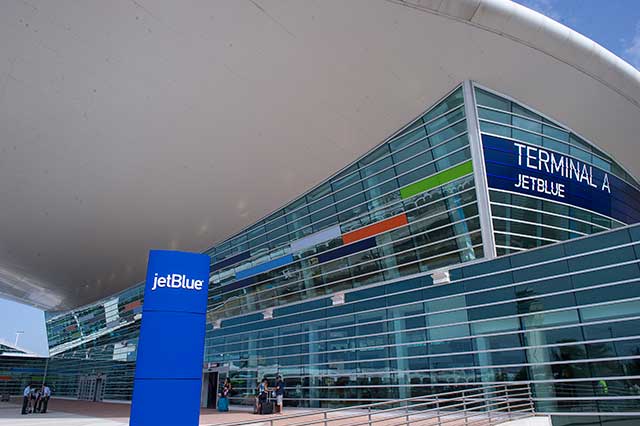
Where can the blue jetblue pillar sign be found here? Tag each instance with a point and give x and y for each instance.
(168, 375)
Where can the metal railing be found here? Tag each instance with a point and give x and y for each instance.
(483, 405)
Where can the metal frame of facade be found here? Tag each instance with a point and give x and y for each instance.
(479, 171)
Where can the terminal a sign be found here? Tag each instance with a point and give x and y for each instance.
(553, 165)
(532, 170)
(171, 343)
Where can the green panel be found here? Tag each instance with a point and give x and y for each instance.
(437, 180)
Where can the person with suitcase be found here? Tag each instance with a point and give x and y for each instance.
(263, 397)
(223, 402)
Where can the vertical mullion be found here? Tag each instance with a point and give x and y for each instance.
(479, 171)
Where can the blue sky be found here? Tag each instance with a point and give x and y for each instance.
(18, 317)
(615, 24)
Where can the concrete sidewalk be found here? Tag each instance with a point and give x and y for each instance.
(10, 416)
(85, 413)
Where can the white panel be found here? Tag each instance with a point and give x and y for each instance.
(317, 238)
(111, 310)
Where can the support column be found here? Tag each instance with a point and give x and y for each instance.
(479, 170)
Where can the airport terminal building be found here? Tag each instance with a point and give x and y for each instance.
(435, 261)
(485, 241)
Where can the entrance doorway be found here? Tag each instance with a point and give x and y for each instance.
(97, 396)
(91, 387)
(209, 396)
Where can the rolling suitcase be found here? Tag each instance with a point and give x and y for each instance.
(223, 404)
(267, 407)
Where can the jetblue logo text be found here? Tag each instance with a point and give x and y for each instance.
(176, 281)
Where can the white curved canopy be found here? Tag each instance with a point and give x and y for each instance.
(142, 124)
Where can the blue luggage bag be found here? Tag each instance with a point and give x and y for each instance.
(223, 404)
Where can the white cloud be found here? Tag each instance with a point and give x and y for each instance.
(631, 52)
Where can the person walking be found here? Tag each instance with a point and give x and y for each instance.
(280, 393)
(26, 396)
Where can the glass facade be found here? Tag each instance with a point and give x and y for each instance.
(377, 283)
(17, 371)
(408, 206)
(97, 341)
(563, 318)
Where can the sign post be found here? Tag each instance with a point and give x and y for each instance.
(168, 374)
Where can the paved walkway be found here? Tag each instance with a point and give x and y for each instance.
(84, 413)
(10, 416)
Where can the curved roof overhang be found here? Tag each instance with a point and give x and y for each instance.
(162, 125)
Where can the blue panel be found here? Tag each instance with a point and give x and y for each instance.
(174, 402)
(300, 307)
(230, 261)
(264, 267)
(169, 274)
(239, 284)
(171, 343)
(519, 167)
(241, 320)
(179, 333)
(347, 250)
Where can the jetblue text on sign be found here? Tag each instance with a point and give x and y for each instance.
(173, 325)
(533, 170)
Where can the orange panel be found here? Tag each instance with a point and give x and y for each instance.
(374, 229)
(132, 305)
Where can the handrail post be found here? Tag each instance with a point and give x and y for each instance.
(406, 412)
(325, 418)
(464, 408)
(438, 410)
(488, 406)
(369, 415)
(531, 404)
(506, 395)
